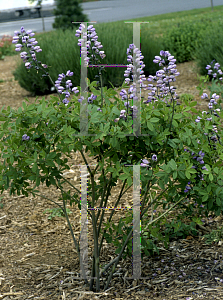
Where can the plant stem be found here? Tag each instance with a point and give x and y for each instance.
(127, 239)
(101, 87)
(120, 195)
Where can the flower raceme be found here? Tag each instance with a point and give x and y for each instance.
(214, 70)
(163, 78)
(89, 37)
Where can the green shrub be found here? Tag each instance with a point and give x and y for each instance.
(183, 38)
(209, 49)
(61, 51)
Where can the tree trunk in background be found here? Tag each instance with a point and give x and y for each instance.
(42, 18)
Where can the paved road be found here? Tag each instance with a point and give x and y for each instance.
(114, 10)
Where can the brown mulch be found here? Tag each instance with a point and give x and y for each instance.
(39, 261)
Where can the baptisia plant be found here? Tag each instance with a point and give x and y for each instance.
(38, 139)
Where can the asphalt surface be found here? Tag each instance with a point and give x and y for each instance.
(106, 11)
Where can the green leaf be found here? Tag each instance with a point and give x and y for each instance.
(205, 172)
(216, 170)
(177, 116)
(211, 177)
(129, 181)
(175, 123)
(35, 156)
(219, 201)
(181, 174)
(187, 174)
(193, 171)
(161, 185)
(156, 113)
(123, 176)
(11, 159)
(38, 181)
(24, 105)
(150, 126)
(173, 164)
(154, 120)
(34, 167)
(209, 188)
(194, 103)
(205, 198)
(174, 174)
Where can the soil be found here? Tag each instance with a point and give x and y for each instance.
(39, 261)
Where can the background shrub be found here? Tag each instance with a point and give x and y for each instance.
(183, 38)
(210, 48)
(61, 53)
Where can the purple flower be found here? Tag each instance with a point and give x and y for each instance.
(65, 101)
(154, 157)
(69, 73)
(22, 30)
(205, 95)
(199, 159)
(201, 153)
(91, 98)
(217, 66)
(75, 90)
(28, 65)
(81, 99)
(145, 161)
(25, 137)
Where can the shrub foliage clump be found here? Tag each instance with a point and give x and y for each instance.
(182, 39)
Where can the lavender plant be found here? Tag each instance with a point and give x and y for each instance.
(37, 140)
